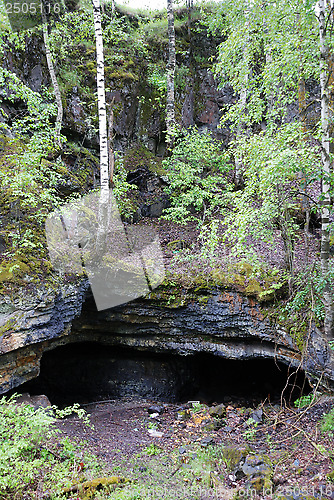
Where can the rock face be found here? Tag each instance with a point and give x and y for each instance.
(137, 117)
(27, 323)
(225, 325)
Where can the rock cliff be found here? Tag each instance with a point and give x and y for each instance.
(224, 324)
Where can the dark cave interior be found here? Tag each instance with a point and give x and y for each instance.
(90, 371)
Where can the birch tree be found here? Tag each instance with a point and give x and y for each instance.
(170, 108)
(104, 199)
(326, 168)
(101, 96)
(238, 176)
(60, 111)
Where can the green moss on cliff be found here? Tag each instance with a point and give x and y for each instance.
(140, 156)
(179, 289)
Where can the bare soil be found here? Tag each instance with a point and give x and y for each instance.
(186, 462)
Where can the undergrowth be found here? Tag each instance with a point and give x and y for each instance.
(35, 460)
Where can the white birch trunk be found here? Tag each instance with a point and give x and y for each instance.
(110, 142)
(170, 108)
(60, 112)
(103, 210)
(101, 96)
(238, 176)
(326, 170)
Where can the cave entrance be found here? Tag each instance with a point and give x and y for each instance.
(88, 371)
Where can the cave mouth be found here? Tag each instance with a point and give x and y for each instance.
(86, 372)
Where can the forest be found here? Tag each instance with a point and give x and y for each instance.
(209, 125)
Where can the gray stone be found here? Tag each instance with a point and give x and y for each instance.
(257, 416)
(206, 441)
(155, 409)
(218, 411)
(254, 465)
(40, 401)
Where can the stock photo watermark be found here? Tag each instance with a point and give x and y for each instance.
(190, 492)
(26, 14)
(122, 262)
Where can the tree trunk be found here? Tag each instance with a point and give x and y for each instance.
(326, 171)
(238, 174)
(101, 96)
(60, 112)
(103, 210)
(302, 104)
(189, 9)
(170, 109)
(110, 142)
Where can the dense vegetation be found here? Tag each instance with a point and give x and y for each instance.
(255, 205)
(258, 200)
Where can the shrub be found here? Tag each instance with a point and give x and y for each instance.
(32, 456)
(197, 176)
(327, 423)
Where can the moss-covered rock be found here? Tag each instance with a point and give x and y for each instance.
(253, 288)
(259, 470)
(233, 456)
(88, 489)
(140, 156)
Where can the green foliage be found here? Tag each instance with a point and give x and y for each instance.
(28, 187)
(152, 449)
(158, 79)
(197, 176)
(124, 192)
(197, 407)
(4, 22)
(182, 74)
(267, 49)
(210, 238)
(307, 292)
(28, 457)
(327, 423)
(271, 198)
(38, 113)
(304, 401)
(74, 37)
(250, 432)
(152, 425)
(70, 410)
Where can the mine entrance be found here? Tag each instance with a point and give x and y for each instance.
(88, 371)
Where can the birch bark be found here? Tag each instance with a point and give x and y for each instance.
(170, 108)
(60, 111)
(326, 170)
(101, 96)
(238, 175)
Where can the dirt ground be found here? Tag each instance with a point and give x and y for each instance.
(192, 453)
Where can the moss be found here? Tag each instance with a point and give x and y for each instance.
(177, 245)
(13, 270)
(7, 327)
(296, 324)
(235, 279)
(111, 73)
(88, 489)
(245, 268)
(178, 290)
(91, 67)
(330, 476)
(298, 332)
(253, 288)
(233, 455)
(140, 156)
